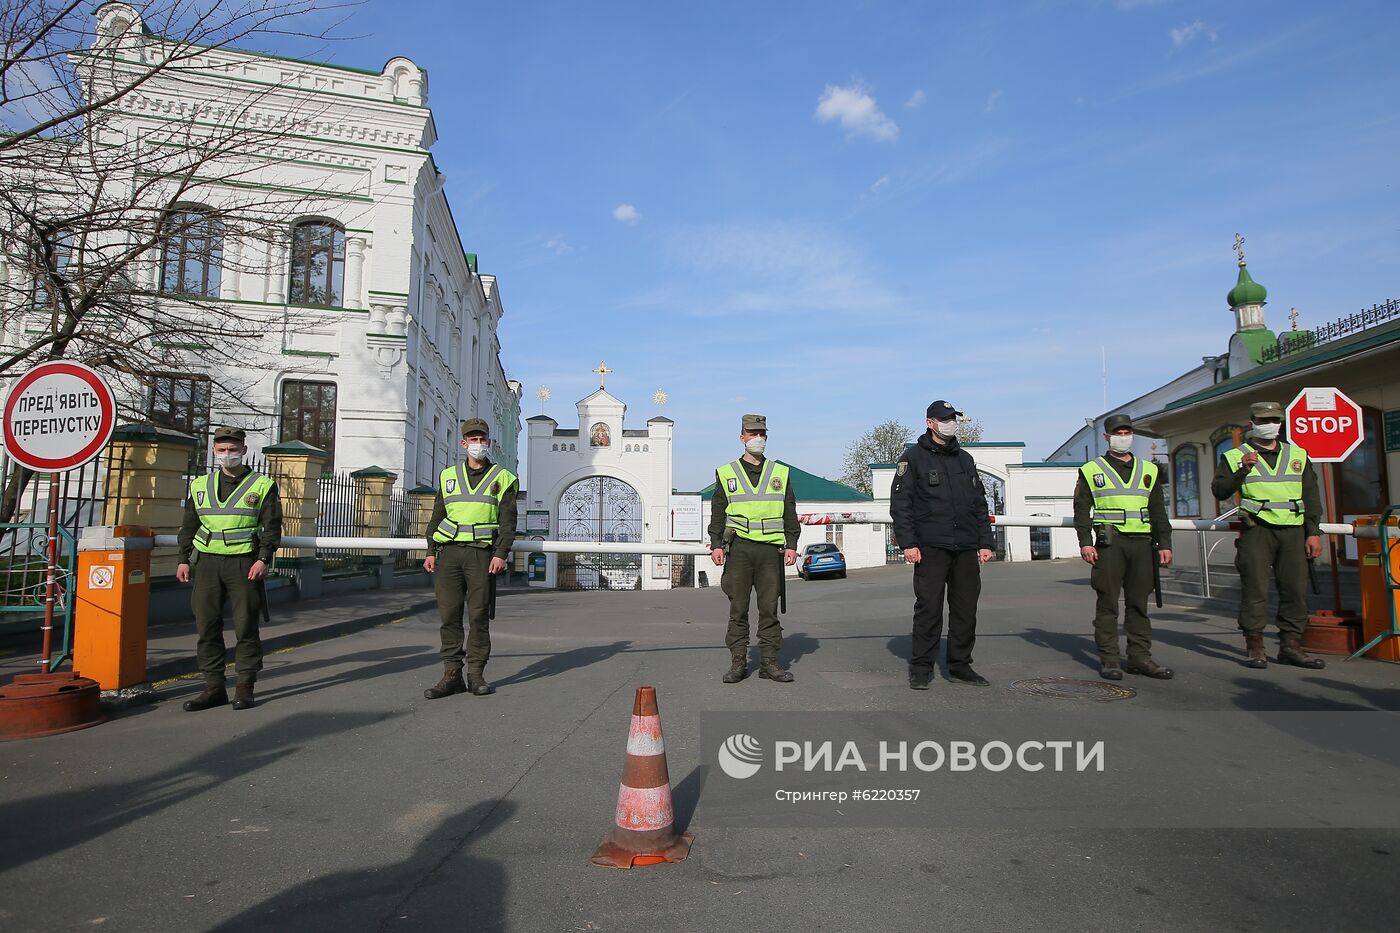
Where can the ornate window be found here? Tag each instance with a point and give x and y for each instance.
(599, 436)
(1186, 481)
(192, 247)
(59, 246)
(1222, 440)
(318, 264)
(182, 404)
(308, 415)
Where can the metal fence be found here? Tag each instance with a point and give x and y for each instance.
(1298, 341)
(25, 501)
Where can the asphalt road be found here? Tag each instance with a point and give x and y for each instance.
(345, 801)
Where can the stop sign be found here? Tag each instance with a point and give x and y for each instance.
(1325, 423)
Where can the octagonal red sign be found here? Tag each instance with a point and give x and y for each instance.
(1325, 423)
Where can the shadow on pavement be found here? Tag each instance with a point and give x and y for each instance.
(367, 665)
(1206, 646)
(795, 647)
(1080, 649)
(56, 822)
(1260, 695)
(1382, 698)
(685, 796)
(440, 886)
(561, 662)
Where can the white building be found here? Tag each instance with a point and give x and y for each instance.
(378, 332)
(599, 480)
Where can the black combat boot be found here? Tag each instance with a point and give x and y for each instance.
(738, 670)
(451, 683)
(213, 695)
(477, 685)
(243, 696)
(769, 670)
(1254, 648)
(1291, 652)
(1149, 668)
(1110, 670)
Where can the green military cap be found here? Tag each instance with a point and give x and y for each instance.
(475, 426)
(1114, 422)
(754, 423)
(227, 433)
(1265, 410)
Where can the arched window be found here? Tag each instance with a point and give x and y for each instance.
(1220, 441)
(318, 264)
(556, 447)
(628, 449)
(52, 254)
(646, 448)
(1186, 481)
(192, 249)
(571, 446)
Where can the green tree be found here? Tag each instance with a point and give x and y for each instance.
(969, 430)
(883, 443)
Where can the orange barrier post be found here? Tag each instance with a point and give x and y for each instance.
(644, 831)
(114, 599)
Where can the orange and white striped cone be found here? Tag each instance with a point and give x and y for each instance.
(644, 832)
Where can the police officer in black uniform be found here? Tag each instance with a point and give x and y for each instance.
(941, 520)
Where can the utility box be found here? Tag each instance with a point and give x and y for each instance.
(1377, 606)
(113, 604)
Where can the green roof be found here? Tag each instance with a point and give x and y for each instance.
(808, 487)
(1246, 290)
(1294, 362)
(1256, 341)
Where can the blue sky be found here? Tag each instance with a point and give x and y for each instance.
(833, 213)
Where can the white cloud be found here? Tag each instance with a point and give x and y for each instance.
(857, 112)
(557, 246)
(992, 100)
(1127, 5)
(916, 100)
(626, 214)
(880, 182)
(1183, 35)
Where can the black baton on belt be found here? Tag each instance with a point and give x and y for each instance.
(491, 597)
(1312, 577)
(1157, 572)
(782, 583)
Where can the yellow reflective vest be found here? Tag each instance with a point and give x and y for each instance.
(473, 512)
(755, 512)
(227, 527)
(1118, 503)
(1273, 495)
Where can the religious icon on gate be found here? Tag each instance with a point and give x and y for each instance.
(600, 435)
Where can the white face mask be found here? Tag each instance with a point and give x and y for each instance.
(476, 451)
(228, 461)
(948, 428)
(1120, 443)
(756, 445)
(1266, 432)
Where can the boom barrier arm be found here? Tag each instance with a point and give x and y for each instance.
(680, 548)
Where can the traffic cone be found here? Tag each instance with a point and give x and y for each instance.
(644, 832)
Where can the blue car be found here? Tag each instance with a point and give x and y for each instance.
(819, 559)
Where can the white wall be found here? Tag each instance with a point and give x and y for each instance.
(646, 467)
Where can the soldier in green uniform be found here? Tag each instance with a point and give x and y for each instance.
(1120, 514)
(753, 536)
(1280, 510)
(233, 522)
(469, 535)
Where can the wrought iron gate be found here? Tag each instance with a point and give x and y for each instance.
(600, 508)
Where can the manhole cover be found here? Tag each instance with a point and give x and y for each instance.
(1065, 688)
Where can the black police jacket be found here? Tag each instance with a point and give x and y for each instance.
(937, 499)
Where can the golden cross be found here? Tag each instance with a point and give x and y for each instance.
(1293, 317)
(1239, 247)
(602, 372)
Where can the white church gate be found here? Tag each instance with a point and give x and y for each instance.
(600, 508)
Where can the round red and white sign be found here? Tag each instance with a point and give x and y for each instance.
(58, 416)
